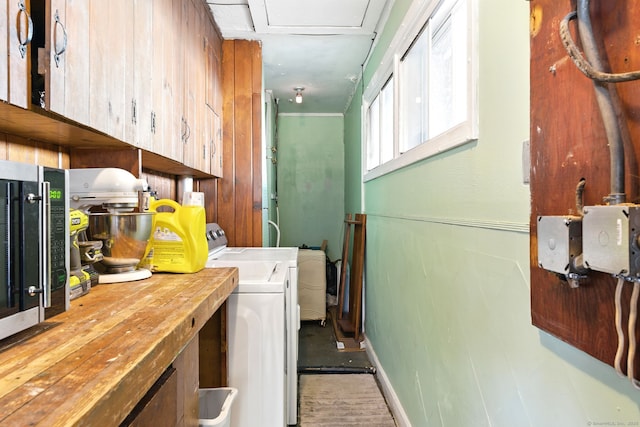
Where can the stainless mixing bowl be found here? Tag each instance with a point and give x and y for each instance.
(124, 238)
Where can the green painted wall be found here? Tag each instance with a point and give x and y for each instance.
(353, 157)
(311, 180)
(447, 267)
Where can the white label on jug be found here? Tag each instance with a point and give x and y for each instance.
(164, 234)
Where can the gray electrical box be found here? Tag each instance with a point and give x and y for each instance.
(559, 242)
(610, 235)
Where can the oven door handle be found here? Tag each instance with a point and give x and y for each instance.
(45, 249)
(9, 221)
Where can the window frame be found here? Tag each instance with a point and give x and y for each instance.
(415, 22)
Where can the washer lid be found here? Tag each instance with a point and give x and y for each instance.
(288, 255)
(256, 276)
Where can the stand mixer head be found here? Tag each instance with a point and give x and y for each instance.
(113, 189)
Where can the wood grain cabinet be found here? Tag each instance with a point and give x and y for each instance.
(20, 31)
(213, 99)
(141, 100)
(173, 399)
(66, 68)
(213, 134)
(4, 62)
(166, 77)
(109, 55)
(193, 75)
(144, 73)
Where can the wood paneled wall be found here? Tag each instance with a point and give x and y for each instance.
(19, 149)
(239, 192)
(568, 143)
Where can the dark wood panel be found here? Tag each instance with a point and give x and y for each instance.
(213, 350)
(210, 188)
(163, 185)
(568, 142)
(159, 406)
(243, 143)
(127, 159)
(237, 199)
(226, 206)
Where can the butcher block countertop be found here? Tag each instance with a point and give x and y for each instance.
(93, 363)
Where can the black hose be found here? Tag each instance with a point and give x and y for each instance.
(584, 65)
(336, 370)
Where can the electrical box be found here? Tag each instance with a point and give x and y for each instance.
(610, 239)
(559, 242)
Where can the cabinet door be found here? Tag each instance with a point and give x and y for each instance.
(216, 145)
(209, 138)
(109, 58)
(213, 60)
(67, 85)
(200, 144)
(159, 407)
(139, 125)
(190, 48)
(174, 94)
(4, 63)
(20, 34)
(167, 78)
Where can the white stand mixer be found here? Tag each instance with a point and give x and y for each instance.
(124, 228)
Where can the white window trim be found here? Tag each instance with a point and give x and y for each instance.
(415, 19)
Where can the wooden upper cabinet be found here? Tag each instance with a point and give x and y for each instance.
(19, 52)
(166, 79)
(4, 63)
(67, 68)
(190, 50)
(213, 75)
(110, 56)
(215, 143)
(139, 72)
(139, 127)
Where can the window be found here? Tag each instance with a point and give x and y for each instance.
(373, 144)
(434, 110)
(380, 147)
(413, 95)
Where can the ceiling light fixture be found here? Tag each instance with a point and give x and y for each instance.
(298, 94)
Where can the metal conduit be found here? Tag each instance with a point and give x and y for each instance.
(592, 67)
(607, 110)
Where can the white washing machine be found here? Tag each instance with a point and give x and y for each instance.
(256, 273)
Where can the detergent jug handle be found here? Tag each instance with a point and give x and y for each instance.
(164, 202)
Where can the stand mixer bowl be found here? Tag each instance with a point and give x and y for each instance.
(124, 238)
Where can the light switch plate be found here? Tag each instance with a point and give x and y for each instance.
(526, 162)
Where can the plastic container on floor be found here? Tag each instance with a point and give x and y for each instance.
(215, 406)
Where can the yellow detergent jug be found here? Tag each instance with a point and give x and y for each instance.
(178, 241)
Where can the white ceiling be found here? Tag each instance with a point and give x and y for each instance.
(319, 45)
